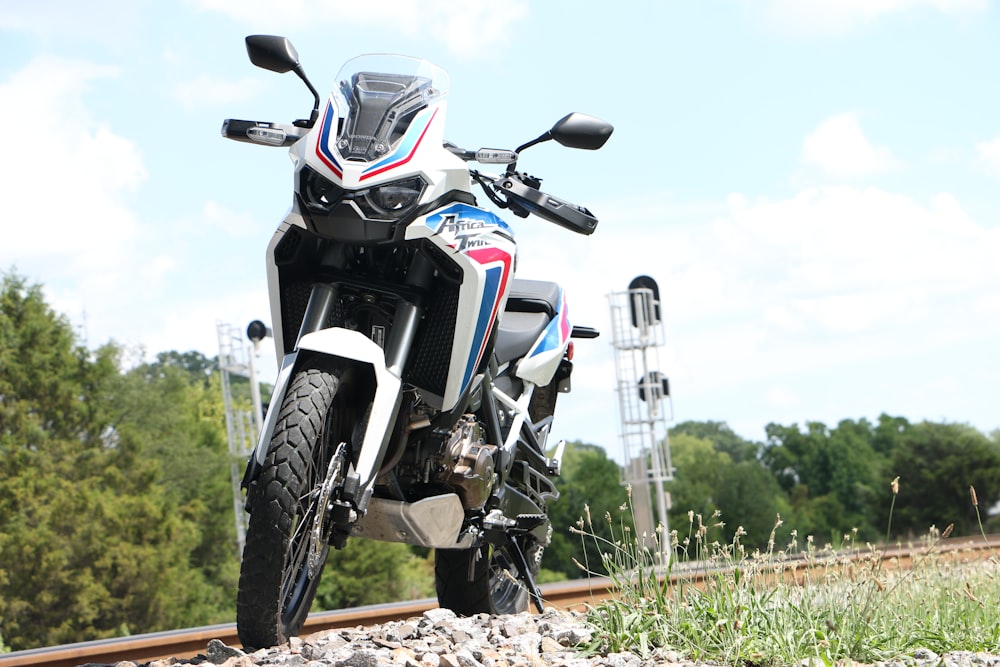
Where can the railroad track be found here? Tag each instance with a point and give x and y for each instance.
(568, 595)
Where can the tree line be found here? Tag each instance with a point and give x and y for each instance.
(822, 482)
(116, 513)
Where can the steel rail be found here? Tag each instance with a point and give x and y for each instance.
(575, 595)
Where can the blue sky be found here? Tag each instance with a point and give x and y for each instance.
(812, 182)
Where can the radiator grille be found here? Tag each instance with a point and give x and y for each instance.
(428, 365)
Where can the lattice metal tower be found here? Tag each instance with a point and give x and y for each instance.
(638, 334)
(242, 426)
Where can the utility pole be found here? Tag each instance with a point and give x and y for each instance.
(638, 334)
(242, 426)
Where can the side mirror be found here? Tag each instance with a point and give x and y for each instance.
(278, 55)
(272, 53)
(578, 130)
(575, 130)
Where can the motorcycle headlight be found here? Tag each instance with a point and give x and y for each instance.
(318, 192)
(391, 201)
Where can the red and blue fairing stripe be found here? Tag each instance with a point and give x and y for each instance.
(407, 147)
(323, 151)
(557, 332)
(499, 265)
(403, 153)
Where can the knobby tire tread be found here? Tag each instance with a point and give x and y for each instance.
(454, 590)
(274, 505)
(466, 598)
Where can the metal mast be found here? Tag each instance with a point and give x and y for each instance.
(242, 426)
(638, 333)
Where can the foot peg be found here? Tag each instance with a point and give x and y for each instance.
(525, 523)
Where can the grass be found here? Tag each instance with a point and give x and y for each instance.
(792, 603)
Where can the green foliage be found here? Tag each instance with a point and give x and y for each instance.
(783, 606)
(370, 572)
(96, 535)
(698, 471)
(723, 439)
(837, 480)
(589, 479)
(751, 498)
(936, 465)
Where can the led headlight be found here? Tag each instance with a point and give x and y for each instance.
(391, 201)
(318, 192)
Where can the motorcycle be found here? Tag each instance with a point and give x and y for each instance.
(417, 377)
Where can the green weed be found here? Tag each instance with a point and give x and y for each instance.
(788, 603)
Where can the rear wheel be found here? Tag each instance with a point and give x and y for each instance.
(286, 542)
(495, 586)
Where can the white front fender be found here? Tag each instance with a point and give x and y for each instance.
(355, 348)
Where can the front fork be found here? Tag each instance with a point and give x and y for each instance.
(353, 350)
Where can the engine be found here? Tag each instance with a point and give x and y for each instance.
(466, 463)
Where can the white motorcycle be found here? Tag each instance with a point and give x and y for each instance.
(418, 377)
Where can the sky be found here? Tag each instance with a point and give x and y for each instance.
(812, 183)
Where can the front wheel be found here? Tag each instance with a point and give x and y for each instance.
(494, 587)
(286, 541)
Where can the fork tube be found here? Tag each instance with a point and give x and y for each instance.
(318, 310)
(404, 331)
(420, 273)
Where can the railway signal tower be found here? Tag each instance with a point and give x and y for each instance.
(643, 395)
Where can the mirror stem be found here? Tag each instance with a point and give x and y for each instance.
(315, 110)
(545, 137)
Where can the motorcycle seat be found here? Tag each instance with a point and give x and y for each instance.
(533, 296)
(531, 305)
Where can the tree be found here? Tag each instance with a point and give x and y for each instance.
(371, 572)
(698, 474)
(590, 484)
(936, 465)
(93, 540)
(174, 413)
(723, 438)
(749, 496)
(839, 466)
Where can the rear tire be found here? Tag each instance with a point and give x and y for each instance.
(495, 587)
(277, 586)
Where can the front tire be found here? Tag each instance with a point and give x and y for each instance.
(277, 583)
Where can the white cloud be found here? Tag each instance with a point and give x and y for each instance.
(61, 198)
(840, 148)
(830, 276)
(767, 295)
(838, 16)
(468, 28)
(989, 155)
(782, 397)
(56, 19)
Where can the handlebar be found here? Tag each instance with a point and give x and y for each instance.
(522, 195)
(532, 200)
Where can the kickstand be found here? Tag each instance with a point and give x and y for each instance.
(522, 567)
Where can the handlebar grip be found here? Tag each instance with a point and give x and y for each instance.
(563, 213)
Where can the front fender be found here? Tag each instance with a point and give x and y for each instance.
(352, 349)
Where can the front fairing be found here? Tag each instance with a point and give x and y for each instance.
(355, 149)
(376, 157)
